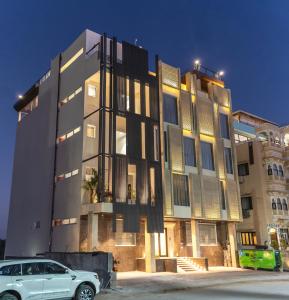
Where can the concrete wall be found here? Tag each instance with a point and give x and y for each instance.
(33, 174)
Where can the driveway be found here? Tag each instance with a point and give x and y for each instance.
(218, 283)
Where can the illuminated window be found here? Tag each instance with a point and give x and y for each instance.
(91, 90)
(147, 99)
(70, 97)
(91, 131)
(120, 135)
(59, 222)
(143, 140)
(131, 184)
(107, 89)
(180, 190)
(66, 175)
(248, 238)
(123, 238)
(127, 94)
(71, 60)
(153, 186)
(137, 98)
(62, 138)
(156, 143)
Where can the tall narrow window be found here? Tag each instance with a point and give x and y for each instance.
(207, 156)
(190, 153)
(223, 199)
(137, 98)
(147, 99)
(279, 205)
(120, 135)
(166, 146)
(153, 186)
(243, 169)
(275, 170)
(91, 90)
(224, 126)
(280, 170)
(156, 143)
(91, 131)
(131, 184)
(228, 160)
(170, 109)
(107, 104)
(143, 140)
(127, 94)
(180, 189)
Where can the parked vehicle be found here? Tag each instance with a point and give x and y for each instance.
(260, 259)
(45, 279)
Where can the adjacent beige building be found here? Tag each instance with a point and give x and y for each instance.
(262, 154)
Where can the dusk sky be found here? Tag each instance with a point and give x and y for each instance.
(249, 39)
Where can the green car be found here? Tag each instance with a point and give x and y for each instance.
(260, 259)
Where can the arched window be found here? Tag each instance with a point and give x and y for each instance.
(275, 170)
(274, 207)
(284, 204)
(270, 172)
(279, 205)
(280, 170)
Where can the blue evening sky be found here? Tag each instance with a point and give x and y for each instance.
(249, 39)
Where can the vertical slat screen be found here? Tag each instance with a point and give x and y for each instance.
(211, 198)
(176, 149)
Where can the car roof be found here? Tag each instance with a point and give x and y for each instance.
(23, 261)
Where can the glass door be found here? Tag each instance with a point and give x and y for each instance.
(161, 246)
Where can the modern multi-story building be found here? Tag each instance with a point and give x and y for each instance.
(262, 153)
(112, 157)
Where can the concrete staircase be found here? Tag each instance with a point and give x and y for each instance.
(184, 264)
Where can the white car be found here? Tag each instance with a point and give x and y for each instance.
(42, 279)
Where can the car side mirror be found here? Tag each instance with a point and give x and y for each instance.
(66, 271)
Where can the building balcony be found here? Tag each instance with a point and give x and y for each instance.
(272, 150)
(101, 207)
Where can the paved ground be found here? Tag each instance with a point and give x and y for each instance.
(219, 283)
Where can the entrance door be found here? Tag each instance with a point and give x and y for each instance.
(161, 246)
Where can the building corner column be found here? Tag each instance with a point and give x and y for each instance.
(195, 238)
(233, 243)
(150, 260)
(92, 232)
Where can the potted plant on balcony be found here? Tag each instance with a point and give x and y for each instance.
(91, 186)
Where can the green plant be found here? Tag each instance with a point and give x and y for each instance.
(275, 245)
(91, 186)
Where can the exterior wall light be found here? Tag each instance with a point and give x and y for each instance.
(197, 64)
(20, 96)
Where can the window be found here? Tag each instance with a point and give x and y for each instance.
(165, 146)
(246, 203)
(223, 198)
(71, 96)
(123, 238)
(147, 99)
(275, 170)
(284, 205)
(251, 153)
(188, 234)
(137, 98)
(11, 270)
(71, 60)
(131, 184)
(91, 131)
(280, 170)
(228, 160)
(270, 171)
(91, 90)
(67, 135)
(207, 156)
(66, 175)
(143, 140)
(153, 186)
(170, 109)
(279, 205)
(28, 109)
(224, 126)
(51, 268)
(156, 143)
(274, 206)
(120, 135)
(243, 169)
(59, 222)
(180, 189)
(190, 152)
(208, 234)
(248, 238)
(127, 94)
(32, 269)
